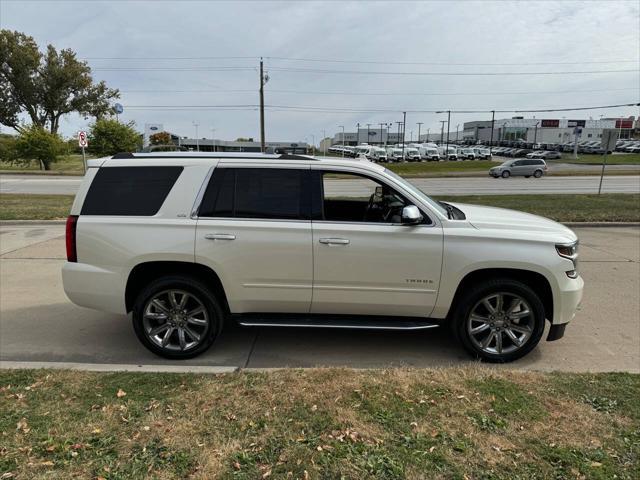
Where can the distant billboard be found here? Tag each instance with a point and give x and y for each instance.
(550, 123)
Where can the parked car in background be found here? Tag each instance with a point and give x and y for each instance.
(431, 154)
(536, 154)
(467, 154)
(482, 153)
(378, 154)
(551, 155)
(394, 154)
(520, 168)
(411, 154)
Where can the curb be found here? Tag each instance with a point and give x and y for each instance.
(116, 367)
(31, 222)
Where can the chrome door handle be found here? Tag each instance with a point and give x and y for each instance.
(334, 241)
(219, 236)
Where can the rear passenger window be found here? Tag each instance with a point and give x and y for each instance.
(138, 191)
(273, 193)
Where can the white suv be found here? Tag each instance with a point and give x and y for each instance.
(188, 241)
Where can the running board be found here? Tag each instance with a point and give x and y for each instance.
(334, 321)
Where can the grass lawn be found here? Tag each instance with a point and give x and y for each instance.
(609, 207)
(316, 424)
(14, 206)
(613, 159)
(67, 165)
(425, 169)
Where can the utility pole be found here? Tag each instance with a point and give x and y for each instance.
(457, 126)
(324, 142)
(428, 130)
(357, 134)
(213, 139)
(398, 139)
(493, 121)
(195, 124)
(381, 135)
(368, 128)
(535, 135)
(262, 82)
(446, 149)
(342, 127)
(448, 125)
(419, 125)
(404, 128)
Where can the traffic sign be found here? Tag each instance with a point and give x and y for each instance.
(82, 139)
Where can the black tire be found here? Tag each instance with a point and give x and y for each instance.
(195, 288)
(474, 294)
(506, 174)
(537, 173)
(527, 176)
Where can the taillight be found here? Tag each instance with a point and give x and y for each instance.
(70, 231)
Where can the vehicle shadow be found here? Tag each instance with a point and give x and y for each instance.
(62, 332)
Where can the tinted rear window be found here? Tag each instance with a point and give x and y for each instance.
(274, 193)
(138, 191)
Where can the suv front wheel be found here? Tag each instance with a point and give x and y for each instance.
(500, 320)
(177, 317)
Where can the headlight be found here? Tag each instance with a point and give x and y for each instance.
(570, 251)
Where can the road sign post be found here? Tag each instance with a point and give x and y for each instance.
(609, 139)
(83, 143)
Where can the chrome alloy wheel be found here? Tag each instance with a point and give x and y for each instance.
(500, 323)
(175, 320)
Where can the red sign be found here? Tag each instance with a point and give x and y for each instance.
(82, 139)
(550, 123)
(624, 123)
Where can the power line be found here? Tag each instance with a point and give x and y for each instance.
(312, 109)
(433, 74)
(300, 92)
(384, 62)
(363, 62)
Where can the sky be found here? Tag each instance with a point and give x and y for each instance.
(333, 64)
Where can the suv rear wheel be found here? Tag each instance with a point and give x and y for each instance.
(500, 320)
(177, 317)
(537, 173)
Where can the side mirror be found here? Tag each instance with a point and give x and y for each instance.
(411, 215)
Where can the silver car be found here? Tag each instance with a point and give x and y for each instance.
(525, 167)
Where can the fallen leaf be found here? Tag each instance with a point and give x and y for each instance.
(314, 408)
(121, 393)
(95, 431)
(596, 464)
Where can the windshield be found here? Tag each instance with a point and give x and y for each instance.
(417, 192)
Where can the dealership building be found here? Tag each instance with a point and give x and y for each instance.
(545, 130)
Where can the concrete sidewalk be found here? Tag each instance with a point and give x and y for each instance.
(38, 323)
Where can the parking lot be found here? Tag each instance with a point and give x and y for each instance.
(38, 323)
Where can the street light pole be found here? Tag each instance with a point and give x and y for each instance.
(368, 128)
(357, 134)
(342, 127)
(535, 135)
(457, 126)
(404, 129)
(428, 130)
(381, 135)
(419, 125)
(493, 121)
(196, 124)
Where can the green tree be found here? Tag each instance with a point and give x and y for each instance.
(108, 137)
(36, 143)
(46, 86)
(8, 151)
(160, 138)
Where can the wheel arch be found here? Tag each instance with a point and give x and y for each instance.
(536, 281)
(143, 273)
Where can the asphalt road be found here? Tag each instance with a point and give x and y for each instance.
(58, 185)
(38, 323)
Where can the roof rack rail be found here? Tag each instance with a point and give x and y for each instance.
(288, 156)
(123, 155)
